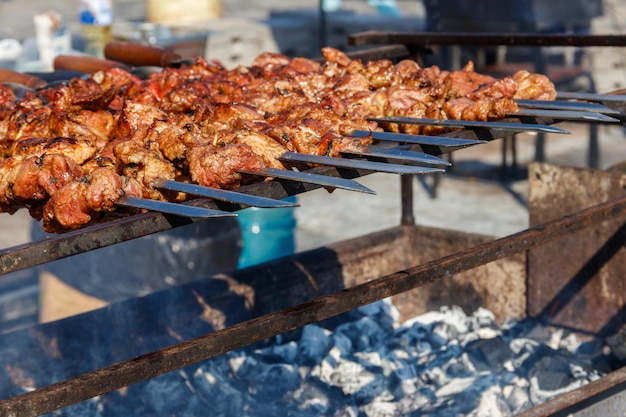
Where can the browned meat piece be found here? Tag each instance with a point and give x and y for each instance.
(77, 202)
(218, 166)
(269, 61)
(406, 69)
(342, 143)
(145, 165)
(9, 167)
(136, 118)
(31, 118)
(304, 65)
(79, 150)
(40, 177)
(170, 139)
(464, 108)
(468, 83)
(225, 116)
(105, 187)
(404, 97)
(534, 86)
(83, 116)
(7, 106)
(335, 56)
(118, 79)
(69, 207)
(264, 146)
(382, 73)
(362, 105)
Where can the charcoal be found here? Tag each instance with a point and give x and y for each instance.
(460, 367)
(342, 344)
(443, 363)
(482, 319)
(379, 409)
(416, 401)
(313, 345)
(273, 379)
(551, 373)
(164, 395)
(488, 354)
(617, 343)
(347, 411)
(218, 391)
(490, 402)
(517, 399)
(312, 397)
(349, 376)
(411, 335)
(364, 333)
(441, 334)
(554, 375)
(279, 353)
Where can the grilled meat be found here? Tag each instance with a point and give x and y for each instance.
(70, 152)
(534, 86)
(87, 198)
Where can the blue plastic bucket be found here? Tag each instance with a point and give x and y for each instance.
(266, 234)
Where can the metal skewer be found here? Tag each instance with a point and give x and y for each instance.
(358, 164)
(182, 210)
(459, 124)
(222, 195)
(561, 95)
(445, 143)
(583, 116)
(310, 178)
(566, 105)
(399, 154)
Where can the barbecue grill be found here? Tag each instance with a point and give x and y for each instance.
(328, 281)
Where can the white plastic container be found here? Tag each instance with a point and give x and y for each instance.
(96, 19)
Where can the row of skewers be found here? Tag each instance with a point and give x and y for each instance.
(111, 143)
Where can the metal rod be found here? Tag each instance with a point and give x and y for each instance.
(406, 196)
(110, 378)
(573, 401)
(484, 39)
(322, 25)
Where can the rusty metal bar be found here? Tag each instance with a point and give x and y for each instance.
(484, 39)
(583, 397)
(147, 366)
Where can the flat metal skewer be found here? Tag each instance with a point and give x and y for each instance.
(358, 164)
(398, 154)
(310, 178)
(222, 195)
(566, 105)
(443, 142)
(566, 95)
(459, 124)
(182, 210)
(583, 116)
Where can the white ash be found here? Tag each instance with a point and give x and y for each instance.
(366, 364)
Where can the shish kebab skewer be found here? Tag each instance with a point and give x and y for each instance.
(213, 123)
(138, 55)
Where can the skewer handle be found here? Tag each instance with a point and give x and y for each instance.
(137, 54)
(86, 64)
(20, 78)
